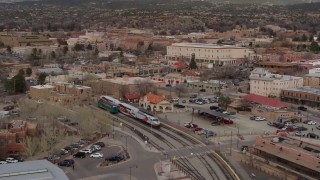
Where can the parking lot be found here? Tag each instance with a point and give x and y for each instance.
(242, 124)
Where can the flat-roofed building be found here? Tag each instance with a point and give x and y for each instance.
(312, 80)
(216, 55)
(37, 169)
(41, 91)
(264, 83)
(294, 153)
(24, 39)
(302, 95)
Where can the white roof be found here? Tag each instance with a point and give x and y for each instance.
(46, 86)
(211, 46)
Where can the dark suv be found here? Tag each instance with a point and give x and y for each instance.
(302, 108)
(118, 157)
(66, 162)
(80, 155)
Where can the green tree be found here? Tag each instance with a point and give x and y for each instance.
(314, 47)
(89, 47)
(42, 78)
(16, 84)
(311, 37)
(53, 55)
(65, 50)
(304, 38)
(193, 64)
(28, 71)
(79, 47)
(220, 41)
(9, 49)
(296, 39)
(224, 101)
(21, 72)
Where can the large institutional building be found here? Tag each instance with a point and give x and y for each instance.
(206, 54)
(263, 83)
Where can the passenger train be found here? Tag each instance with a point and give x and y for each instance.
(114, 106)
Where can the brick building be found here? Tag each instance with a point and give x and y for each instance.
(13, 135)
(303, 95)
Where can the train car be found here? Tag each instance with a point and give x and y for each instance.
(134, 112)
(108, 103)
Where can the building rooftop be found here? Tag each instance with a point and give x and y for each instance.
(313, 75)
(131, 80)
(272, 102)
(306, 89)
(39, 169)
(17, 123)
(211, 46)
(46, 86)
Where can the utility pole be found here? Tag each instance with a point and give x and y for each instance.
(231, 144)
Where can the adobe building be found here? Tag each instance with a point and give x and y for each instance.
(304, 95)
(13, 135)
(24, 39)
(312, 80)
(155, 103)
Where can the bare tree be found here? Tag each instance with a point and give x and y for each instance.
(31, 146)
(181, 89)
(145, 86)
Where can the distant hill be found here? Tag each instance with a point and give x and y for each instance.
(275, 2)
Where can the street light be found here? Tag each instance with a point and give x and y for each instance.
(134, 166)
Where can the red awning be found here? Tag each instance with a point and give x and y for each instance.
(132, 96)
(272, 102)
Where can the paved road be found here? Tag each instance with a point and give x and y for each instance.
(87, 168)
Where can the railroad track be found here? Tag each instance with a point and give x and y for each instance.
(177, 139)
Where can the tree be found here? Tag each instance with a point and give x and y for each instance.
(311, 37)
(9, 49)
(181, 88)
(304, 38)
(21, 72)
(79, 47)
(42, 78)
(224, 101)
(314, 47)
(89, 47)
(65, 50)
(193, 64)
(53, 55)
(16, 84)
(145, 86)
(28, 44)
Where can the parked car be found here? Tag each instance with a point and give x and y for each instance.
(270, 123)
(17, 157)
(73, 124)
(298, 133)
(192, 100)
(318, 127)
(301, 128)
(197, 129)
(96, 155)
(313, 135)
(214, 107)
(207, 133)
(101, 144)
(87, 151)
(202, 90)
(258, 118)
(53, 157)
(288, 123)
(194, 96)
(179, 106)
(79, 155)
(184, 101)
(226, 121)
(118, 157)
(8, 108)
(3, 162)
(302, 108)
(190, 125)
(63, 152)
(252, 117)
(175, 99)
(215, 123)
(199, 102)
(11, 160)
(97, 147)
(66, 162)
(311, 122)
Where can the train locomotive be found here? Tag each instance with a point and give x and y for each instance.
(114, 106)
